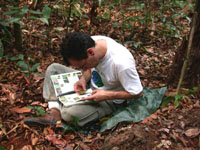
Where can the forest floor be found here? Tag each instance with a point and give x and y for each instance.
(167, 128)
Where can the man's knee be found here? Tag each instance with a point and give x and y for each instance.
(77, 115)
(53, 66)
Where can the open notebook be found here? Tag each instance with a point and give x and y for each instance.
(64, 88)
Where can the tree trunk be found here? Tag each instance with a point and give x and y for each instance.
(192, 72)
(18, 36)
(17, 32)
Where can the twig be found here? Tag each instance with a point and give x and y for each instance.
(188, 52)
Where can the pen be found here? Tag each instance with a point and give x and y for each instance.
(67, 93)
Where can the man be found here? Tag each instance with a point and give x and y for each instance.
(109, 68)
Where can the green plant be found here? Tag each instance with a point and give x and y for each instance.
(1, 148)
(177, 98)
(39, 111)
(5, 34)
(24, 67)
(16, 14)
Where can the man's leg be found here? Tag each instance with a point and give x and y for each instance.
(85, 113)
(48, 89)
(53, 115)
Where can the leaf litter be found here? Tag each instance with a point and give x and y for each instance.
(168, 128)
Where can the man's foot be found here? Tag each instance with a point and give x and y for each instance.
(50, 118)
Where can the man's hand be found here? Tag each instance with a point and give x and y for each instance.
(98, 95)
(80, 86)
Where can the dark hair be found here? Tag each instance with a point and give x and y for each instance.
(75, 46)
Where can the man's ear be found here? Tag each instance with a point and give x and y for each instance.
(90, 51)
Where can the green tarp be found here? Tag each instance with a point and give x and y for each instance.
(137, 109)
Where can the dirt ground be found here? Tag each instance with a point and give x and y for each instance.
(174, 130)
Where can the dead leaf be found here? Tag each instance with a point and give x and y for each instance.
(34, 139)
(37, 103)
(142, 72)
(12, 97)
(88, 22)
(84, 146)
(53, 139)
(21, 110)
(27, 147)
(164, 130)
(192, 132)
(51, 132)
(154, 116)
(27, 80)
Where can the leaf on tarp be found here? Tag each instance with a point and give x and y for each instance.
(21, 110)
(137, 109)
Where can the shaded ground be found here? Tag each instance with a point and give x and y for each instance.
(168, 128)
(175, 129)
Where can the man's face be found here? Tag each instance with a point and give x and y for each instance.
(83, 64)
(87, 63)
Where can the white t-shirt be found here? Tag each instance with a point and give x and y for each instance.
(116, 71)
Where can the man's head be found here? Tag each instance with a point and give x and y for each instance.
(76, 47)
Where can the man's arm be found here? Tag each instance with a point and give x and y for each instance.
(86, 75)
(101, 95)
(81, 84)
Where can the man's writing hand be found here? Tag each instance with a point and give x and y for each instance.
(97, 96)
(80, 86)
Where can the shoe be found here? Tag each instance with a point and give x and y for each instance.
(50, 118)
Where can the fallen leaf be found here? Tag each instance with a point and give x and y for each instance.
(164, 130)
(192, 132)
(36, 103)
(84, 146)
(53, 139)
(142, 72)
(34, 141)
(88, 22)
(27, 147)
(12, 97)
(27, 80)
(21, 110)
(51, 132)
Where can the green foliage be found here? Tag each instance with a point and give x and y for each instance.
(62, 7)
(164, 15)
(5, 34)
(39, 111)
(1, 148)
(192, 91)
(166, 101)
(176, 99)
(67, 128)
(24, 67)
(16, 14)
